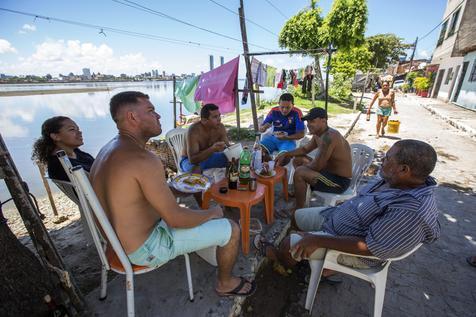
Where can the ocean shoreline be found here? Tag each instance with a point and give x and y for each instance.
(51, 91)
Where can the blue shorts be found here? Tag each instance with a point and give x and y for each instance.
(386, 112)
(216, 160)
(165, 244)
(273, 144)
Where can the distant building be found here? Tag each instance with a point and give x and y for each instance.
(87, 73)
(455, 55)
(163, 73)
(211, 62)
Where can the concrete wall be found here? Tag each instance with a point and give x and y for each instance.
(447, 88)
(443, 52)
(467, 95)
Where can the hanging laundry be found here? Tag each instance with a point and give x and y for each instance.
(277, 78)
(282, 81)
(185, 91)
(218, 86)
(244, 97)
(307, 81)
(292, 76)
(270, 81)
(262, 75)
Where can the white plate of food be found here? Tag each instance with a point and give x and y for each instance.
(265, 173)
(277, 133)
(191, 183)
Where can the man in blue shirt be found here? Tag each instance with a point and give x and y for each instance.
(287, 128)
(387, 219)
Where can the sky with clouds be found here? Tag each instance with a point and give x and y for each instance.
(32, 45)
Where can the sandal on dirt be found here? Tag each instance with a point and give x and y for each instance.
(261, 245)
(238, 291)
(471, 260)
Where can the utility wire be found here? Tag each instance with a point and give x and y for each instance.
(252, 22)
(104, 29)
(277, 9)
(138, 6)
(456, 8)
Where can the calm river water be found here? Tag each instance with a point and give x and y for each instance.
(21, 118)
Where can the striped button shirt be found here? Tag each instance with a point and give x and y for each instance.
(392, 221)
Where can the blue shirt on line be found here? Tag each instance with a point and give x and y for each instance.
(392, 221)
(291, 123)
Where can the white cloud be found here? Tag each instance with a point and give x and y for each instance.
(29, 27)
(423, 54)
(6, 47)
(60, 56)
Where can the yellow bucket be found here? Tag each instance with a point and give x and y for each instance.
(393, 126)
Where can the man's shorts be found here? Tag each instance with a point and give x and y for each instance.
(216, 160)
(330, 183)
(386, 112)
(165, 244)
(311, 220)
(272, 144)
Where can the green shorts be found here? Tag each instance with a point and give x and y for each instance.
(165, 244)
(386, 112)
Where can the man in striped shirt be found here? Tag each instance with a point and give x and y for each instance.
(388, 218)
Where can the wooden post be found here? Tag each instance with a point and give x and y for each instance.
(48, 255)
(174, 101)
(41, 167)
(237, 109)
(363, 89)
(249, 77)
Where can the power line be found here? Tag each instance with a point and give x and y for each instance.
(104, 29)
(140, 7)
(252, 22)
(277, 9)
(457, 7)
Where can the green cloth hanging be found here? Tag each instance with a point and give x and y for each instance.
(185, 91)
(271, 76)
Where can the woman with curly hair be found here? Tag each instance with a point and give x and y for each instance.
(60, 133)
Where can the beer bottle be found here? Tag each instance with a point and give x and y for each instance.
(257, 154)
(245, 169)
(233, 175)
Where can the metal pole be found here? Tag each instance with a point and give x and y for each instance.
(413, 54)
(174, 101)
(329, 52)
(249, 77)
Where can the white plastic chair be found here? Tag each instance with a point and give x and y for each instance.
(68, 189)
(376, 276)
(112, 259)
(175, 138)
(362, 157)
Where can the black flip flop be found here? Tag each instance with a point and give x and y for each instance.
(236, 290)
(470, 261)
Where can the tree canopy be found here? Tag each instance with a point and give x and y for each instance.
(348, 62)
(302, 31)
(386, 49)
(344, 25)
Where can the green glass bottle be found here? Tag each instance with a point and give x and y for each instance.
(245, 169)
